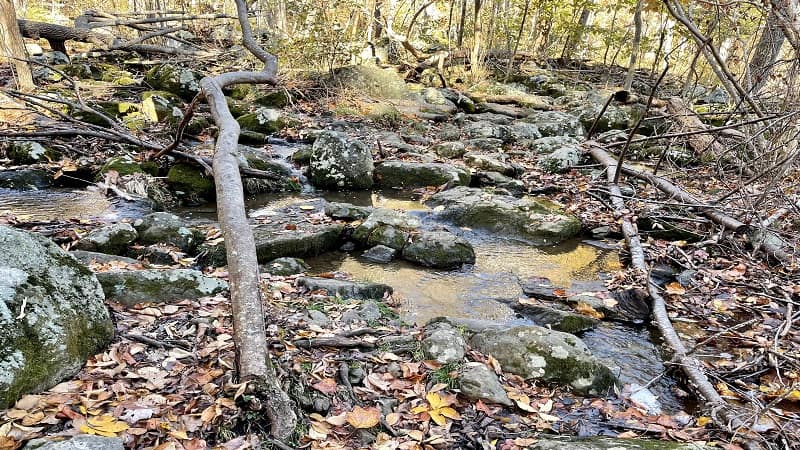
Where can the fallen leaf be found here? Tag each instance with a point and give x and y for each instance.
(364, 417)
(326, 386)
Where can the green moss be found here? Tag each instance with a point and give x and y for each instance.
(190, 180)
(127, 166)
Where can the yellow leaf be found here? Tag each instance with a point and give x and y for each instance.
(450, 412)
(435, 400)
(438, 418)
(587, 310)
(703, 421)
(392, 418)
(364, 417)
(179, 434)
(674, 288)
(419, 409)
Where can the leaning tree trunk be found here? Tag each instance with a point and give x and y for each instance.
(12, 46)
(248, 317)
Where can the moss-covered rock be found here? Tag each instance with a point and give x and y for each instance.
(372, 80)
(158, 286)
(124, 165)
(160, 106)
(30, 152)
(277, 99)
(403, 174)
(113, 239)
(191, 181)
(535, 220)
(26, 179)
(52, 315)
(438, 249)
(534, 352)
(166, 228)
(285, 266)
(263, 120)
(180, 81)
(338, 162)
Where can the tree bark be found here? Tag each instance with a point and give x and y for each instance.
(56, 35)
(637, 41)
(13, 48)
(765, 54)
(253, 359)
(688, 121)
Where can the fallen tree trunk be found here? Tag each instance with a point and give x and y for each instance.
(772, 249)
(688, 121)
(253, 360)
(726, 417)
(56, 35)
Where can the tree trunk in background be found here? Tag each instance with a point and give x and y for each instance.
(637, 41)
(576, 37)
(476, 56)
(461, 22)
(519, 38)
(764, 55)
(786, 12)
(13, 46)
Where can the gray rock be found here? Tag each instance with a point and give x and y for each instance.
(158, 254)
(586, 106)
(371, 80)
(345, 289)
(534, 220)
(86, 258)
(403, 174)
(479, 382)
(318, 318)
(601, 232)
(547, 145)
(519, 131)
(555, 123)
(346, 211)
(79, 442)
(173, 79)
(449, 149)
(52, 58)
(439, 249)
(630, 305)
(506, 110)
(386, 227)
(340, 163)
(52, 315)
(443, 343)
(112, 239)
(367, 312)
(460, 100)
(25, 179)
(167, 228)
(272, 241)
(534, 352)
(263, 120)
(492, 117)
(379, 254)
(486, 144)
(500, 181)
(489, 163)
(30, 152)
(485, 129)
(607, 443)
(158, 286)
(566, 321)
(561, 159)
(285, 266)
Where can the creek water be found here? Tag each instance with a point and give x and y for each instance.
(472, 292)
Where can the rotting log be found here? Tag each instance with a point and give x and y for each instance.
(726, 417)
(253, 360)
(687, 120)
(56, 35)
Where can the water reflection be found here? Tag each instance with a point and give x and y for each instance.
(62, 204)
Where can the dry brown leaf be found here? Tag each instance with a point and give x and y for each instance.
(364, 417)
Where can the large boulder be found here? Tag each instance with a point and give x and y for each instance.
(158, 286)
(403, 174)
(534, 352)
(52, 315)
(386, 227)
(372, 80)
(534, 220)
(438, 249)
(340, 163)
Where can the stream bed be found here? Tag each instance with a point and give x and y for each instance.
(472, 292)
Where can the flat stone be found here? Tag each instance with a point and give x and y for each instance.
(345, 289)
(379, 254)
(158, 286)
(566, 321)
(346, 211)
(78, 442)
(403, 174)
(87, 258)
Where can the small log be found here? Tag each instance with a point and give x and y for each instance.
(687, 120)
(56, 35)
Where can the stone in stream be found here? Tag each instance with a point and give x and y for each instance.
(607, 443)
(534, 352)
(338, 162)
(77, 442)
(52, 315)
(478, 382)
(386, 227)
(346, 211)
(534, 220)
(345, 289)
(379, 254)
(285, 266)
(263, 120)
(403, 174)
(112, 239)
(26, 179)
(167, 228)
(443, 343)
(158, 286)
(191, 182)
(557, 319)
(628, 305)
(438, 249)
